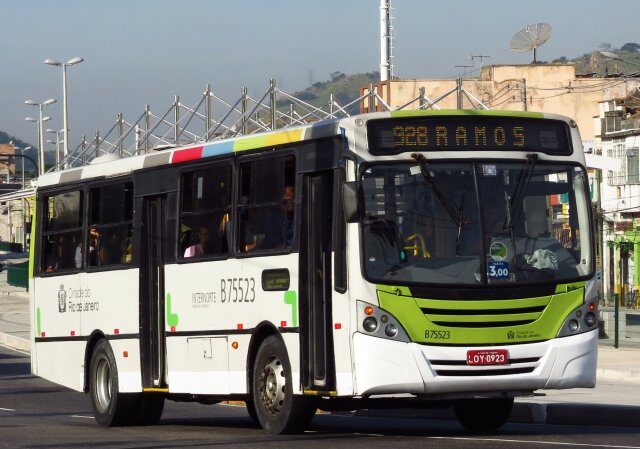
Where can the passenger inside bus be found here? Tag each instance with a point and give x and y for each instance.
(61, 254)
(198, 249)
(276, 229)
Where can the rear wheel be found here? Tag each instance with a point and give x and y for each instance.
(110, 407)
(278, 410)
(483, 414)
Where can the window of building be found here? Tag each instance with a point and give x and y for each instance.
(110, 225)
(266, 209)
(633, 168)
(205, 207)
(62, 232)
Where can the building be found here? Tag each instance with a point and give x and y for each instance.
(7, 164)
(618, 128)
(550, 88)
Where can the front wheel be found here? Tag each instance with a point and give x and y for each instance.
(483, 414)
(110, 407)
(277, 409)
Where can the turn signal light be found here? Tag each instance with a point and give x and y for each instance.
(368, 310)
(592, 306)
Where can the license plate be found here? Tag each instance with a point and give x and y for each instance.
(487, 357)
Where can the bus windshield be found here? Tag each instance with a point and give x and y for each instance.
(475, 223)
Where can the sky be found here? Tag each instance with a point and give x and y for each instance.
(141, 52)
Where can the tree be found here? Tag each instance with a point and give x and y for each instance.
(631, 47)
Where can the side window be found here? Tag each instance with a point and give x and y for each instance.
(266, 206)
(110, 225)
(205, 206)
(62, 232)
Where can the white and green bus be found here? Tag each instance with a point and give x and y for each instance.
(391, 259)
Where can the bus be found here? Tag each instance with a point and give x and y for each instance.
(392, 259)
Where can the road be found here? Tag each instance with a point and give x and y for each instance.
(35, 413)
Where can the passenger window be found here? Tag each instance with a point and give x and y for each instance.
(266, 209)
(62, 233)
(110, 225)
(205, 207)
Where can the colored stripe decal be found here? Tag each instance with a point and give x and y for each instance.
(189, 154)
(217, 149)
(280, 138)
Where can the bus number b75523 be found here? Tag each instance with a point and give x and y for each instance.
(237, 290)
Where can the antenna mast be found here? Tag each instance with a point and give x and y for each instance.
(385, 40)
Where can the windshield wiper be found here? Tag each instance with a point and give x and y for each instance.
(517, 200)
(442, 195)
(514, 206)
(439, 190)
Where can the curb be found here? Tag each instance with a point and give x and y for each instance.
(533, 413)
(620, 375)
(21, 344)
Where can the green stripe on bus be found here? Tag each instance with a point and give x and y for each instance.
(291, 298)
(172, 318)
(463, 112)
(38, 326)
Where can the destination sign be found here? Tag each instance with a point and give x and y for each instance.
(468, 133)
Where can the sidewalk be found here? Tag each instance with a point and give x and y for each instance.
(614, 402)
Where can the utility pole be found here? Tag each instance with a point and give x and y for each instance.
(523, 95)
(385, 40)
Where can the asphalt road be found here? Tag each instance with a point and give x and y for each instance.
(35, 413)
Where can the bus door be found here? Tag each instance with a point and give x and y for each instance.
(152, 317)
(317, 364)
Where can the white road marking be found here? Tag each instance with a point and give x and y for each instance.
(7, 409)
(81, 416)
(557, 443)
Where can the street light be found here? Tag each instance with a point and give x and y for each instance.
(65, 125)
(40, 128)
(57, 142)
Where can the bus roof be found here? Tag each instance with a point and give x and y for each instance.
(191, 152)
(285, 136)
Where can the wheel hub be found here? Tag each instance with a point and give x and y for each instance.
(272, 385)
(103, 384)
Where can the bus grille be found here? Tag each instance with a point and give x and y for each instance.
(460, 367)
(487, 315)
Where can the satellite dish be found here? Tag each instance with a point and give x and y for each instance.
(530, 37)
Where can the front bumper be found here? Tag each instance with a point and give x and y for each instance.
(390, 367)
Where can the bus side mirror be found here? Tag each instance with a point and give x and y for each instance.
(350, 202)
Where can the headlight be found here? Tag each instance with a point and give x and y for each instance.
(376, 322)
(391, 330)
(370, 324)
(587, 313)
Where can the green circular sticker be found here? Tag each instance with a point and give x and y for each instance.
(498, 251)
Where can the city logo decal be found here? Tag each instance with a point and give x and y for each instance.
(510, 335)
(62, 300)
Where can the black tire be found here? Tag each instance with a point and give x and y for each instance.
(110, 407)
(278, 410)
(483, 414)
(150, 408)
(251, 409)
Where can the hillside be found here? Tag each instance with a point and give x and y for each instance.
(345, 88)
(595, 64)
